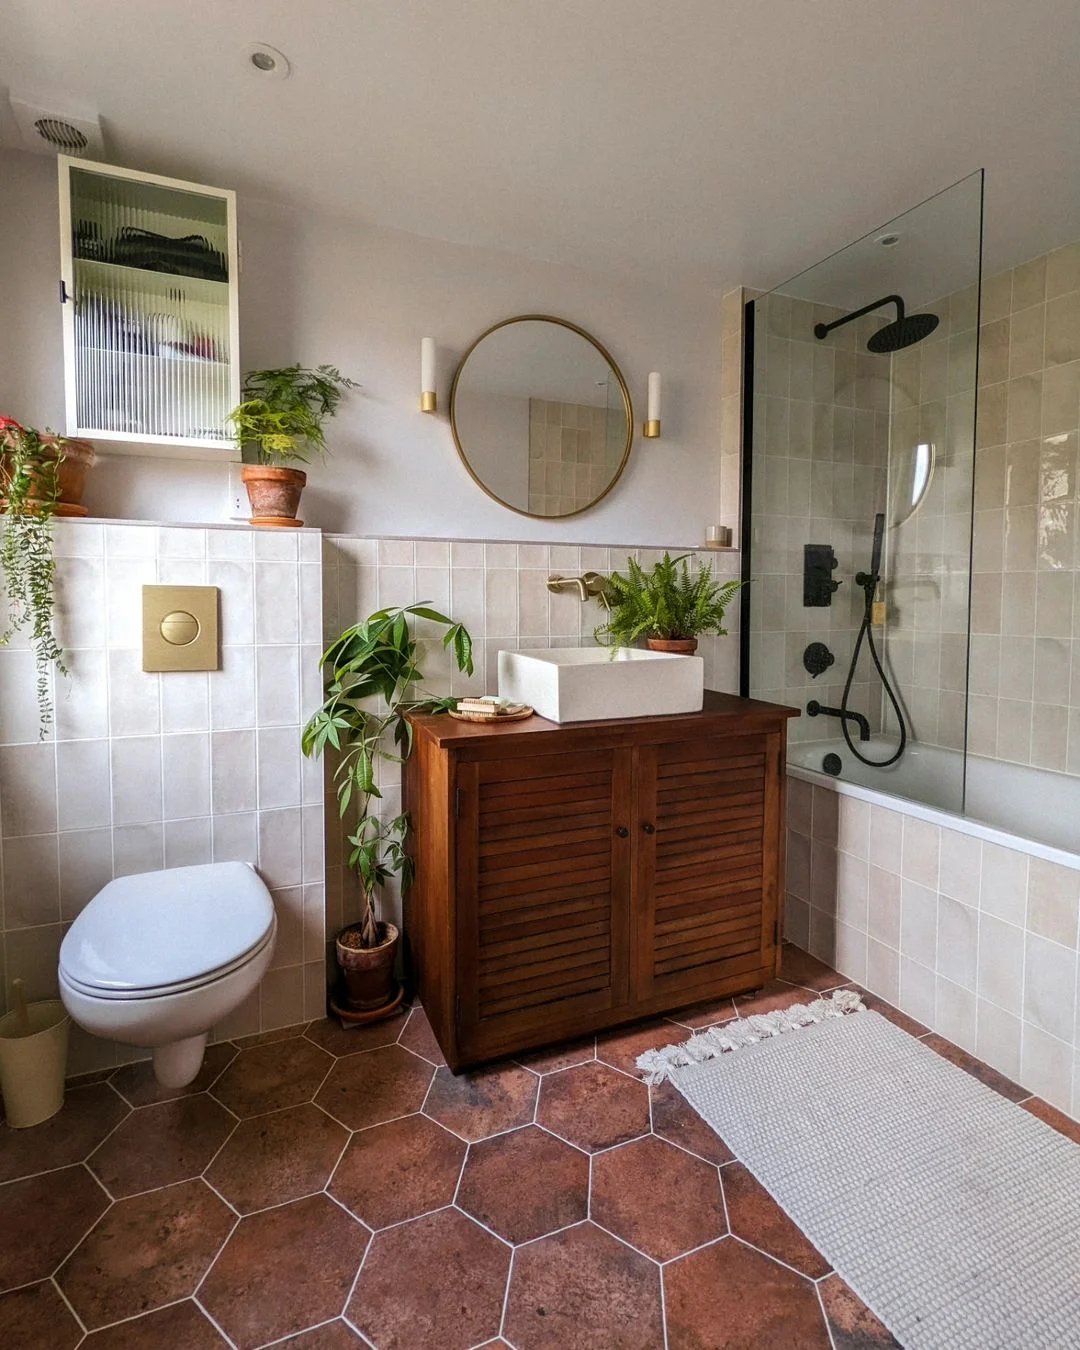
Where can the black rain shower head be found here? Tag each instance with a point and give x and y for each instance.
(904, 331)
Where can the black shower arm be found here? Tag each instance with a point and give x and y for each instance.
(824, 329)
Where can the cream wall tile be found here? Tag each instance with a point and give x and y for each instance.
(232, 689)
(134, 695)
(1029, 284)
(1050, 987)
(281, 998)
(31, 957)
(188, 842)
(955, 1014)
(798, 865)
(800, 806)
(886, 838)
(854, 827)
(1053, 901)
(957, 942)
(277, 679)
(277, 603)
(233, 772)
(851, 892)
(136, 780)
(275, 545)
(138, 848)
(884, 907)
(31, 881)
(28, 789)
(1046, 1066)
(851, 952)
(919, 923)
(922, 845)
(883, 970)
(185, 761)
(1001, 964)
(281, 847)
(86, 864)
(998, 1039)
(797, 921)
(235, 838)
(1004, 883)
(185, 701)
(918, 991)
(84, 784)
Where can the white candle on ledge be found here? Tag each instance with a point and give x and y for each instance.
(427, 374)
(652, 419)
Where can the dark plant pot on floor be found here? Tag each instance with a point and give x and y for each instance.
(677, 646)
(368, 972)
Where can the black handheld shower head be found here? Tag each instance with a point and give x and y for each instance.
(904, 331)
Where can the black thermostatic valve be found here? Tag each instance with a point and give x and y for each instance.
(817, 658)
(819, 563)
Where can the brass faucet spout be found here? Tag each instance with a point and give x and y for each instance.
(588, 585)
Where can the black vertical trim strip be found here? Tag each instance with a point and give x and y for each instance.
(749, 316)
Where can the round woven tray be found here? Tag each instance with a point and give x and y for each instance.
(486, 717)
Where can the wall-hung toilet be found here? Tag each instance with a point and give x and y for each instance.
(158, 959)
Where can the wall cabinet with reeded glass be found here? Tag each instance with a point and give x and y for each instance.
(149, 299)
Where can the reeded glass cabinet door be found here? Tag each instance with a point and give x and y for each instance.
(150, 315)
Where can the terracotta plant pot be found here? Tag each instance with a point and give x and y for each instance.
(677, 646)
(78, 459)
(370, 981)
(274, 494)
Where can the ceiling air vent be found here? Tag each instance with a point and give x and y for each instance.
(53, 131)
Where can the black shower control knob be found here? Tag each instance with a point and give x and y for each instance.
(817, 658)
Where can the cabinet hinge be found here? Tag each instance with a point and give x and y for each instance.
(64, 297)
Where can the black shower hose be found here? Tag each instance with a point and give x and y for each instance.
(865, 630)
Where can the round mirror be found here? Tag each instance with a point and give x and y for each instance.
(541, 416)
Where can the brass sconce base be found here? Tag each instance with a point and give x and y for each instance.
(428, 401)
(651, 429)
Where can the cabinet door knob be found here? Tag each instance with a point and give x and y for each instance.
(649, 829)
(621, 831)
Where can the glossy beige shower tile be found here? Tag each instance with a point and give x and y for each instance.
(1029, 284)
(1053, 901)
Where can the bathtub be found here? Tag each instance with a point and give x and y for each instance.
(1034, 810)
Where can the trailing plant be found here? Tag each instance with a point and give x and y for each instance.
(283, 410)
(29, 479)
(377, 662)
(668, 601)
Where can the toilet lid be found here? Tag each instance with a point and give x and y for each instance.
(164, 928)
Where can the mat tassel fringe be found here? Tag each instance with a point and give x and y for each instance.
(658, 1065)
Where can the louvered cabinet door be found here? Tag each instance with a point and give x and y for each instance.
(543, 889)
(708, 865)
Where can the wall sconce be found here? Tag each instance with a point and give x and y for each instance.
(428, 400)
(651, 428)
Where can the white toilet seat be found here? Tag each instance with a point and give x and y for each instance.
(180, 986)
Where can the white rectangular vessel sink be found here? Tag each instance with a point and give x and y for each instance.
(583, 684)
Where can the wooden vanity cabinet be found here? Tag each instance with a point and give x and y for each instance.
(572, 878)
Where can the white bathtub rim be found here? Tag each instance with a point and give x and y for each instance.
(950, 820)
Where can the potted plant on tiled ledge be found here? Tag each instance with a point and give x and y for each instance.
(669, 606)
(280, 421)
(374, 681)
(41, 476)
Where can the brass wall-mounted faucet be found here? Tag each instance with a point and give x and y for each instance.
(590, 585)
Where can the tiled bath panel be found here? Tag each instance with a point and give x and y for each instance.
(499, 591)
(326, 1189)
(975, 940)
(143, 771)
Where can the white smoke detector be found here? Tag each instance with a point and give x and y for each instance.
(53, 131)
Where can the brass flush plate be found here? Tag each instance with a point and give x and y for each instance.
(180, 628)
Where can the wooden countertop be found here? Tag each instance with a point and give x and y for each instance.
(717, 715)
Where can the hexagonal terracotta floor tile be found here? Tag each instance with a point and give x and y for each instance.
(331, 1036)
(147, 1251)
(284, 1270)
(37, 1318)
(853, 1325)
(657, 1197)
(331, 1336)
(731, 1296)
(983, 1072)
(399, 1170)
(771, 997)
(271, 1077)
(160, 1145)
(563, 1056)
(420, 1039)
(87, 1116)
(183, 1325)
(525, 1184)
(42, 1219)
(801, 968)
(674, 1119)
(137, 1084)
(702, 1015)
(755, 1216)
(375, 1086)
(580, 1289)
(484, 1102)
(621, 1048)
(593, 1106)
(458, 1301)
(276, 1157)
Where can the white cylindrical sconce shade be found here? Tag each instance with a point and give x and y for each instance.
(652, 418)
(427, 375)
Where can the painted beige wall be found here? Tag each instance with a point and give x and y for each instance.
(317, 289)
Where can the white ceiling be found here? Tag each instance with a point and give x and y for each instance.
(708, 142)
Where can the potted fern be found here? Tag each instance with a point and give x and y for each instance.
(280, 420)
(669, 606)
(41, 476)
(374, 681)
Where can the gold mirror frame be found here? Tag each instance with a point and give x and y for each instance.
(628, 408)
